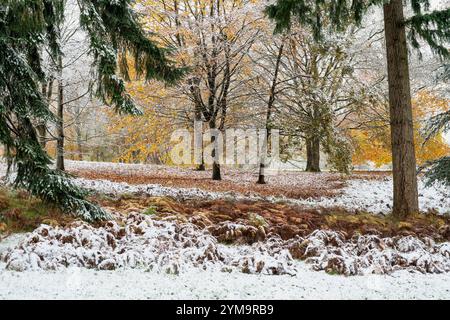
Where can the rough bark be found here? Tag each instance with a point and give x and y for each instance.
(402, 134)
(313, 155)
(216, 175)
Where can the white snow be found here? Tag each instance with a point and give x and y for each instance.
(373, 196)
(140, 242)
(376, 196)
(82, 283)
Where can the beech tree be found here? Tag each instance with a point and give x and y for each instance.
(431, 27)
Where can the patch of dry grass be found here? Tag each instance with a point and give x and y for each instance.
(20, 212)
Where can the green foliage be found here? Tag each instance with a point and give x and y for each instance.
(26, 26)
(432, 27)
(439, 170)
(150, 211)
(113, 29)
(339, 151)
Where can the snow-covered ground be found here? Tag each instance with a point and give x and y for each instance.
(376, 196)
(364, 195)
(371, 195)
(192, 282)
(79, 283)
(139, 279)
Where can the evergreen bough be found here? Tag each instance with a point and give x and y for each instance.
(26, 26)
(432, 27)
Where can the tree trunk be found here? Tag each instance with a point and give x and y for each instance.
(313, 155)
(47, 93)
(272, 93)
(402, 135)
(201, 166)
(199, 144)
(60, 120)
(198, 106)
(79, 143)
(216, 175)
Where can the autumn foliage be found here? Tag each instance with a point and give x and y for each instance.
(373, 145)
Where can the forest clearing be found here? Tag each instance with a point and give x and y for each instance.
(224, 149)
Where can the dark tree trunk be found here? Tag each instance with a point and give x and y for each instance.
(60, 121)
(216, 175)
(313, 155)
(265, 150)
(402, 135)
(201, 166)
(47, 93)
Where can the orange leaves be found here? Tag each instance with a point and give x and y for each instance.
(374, 145)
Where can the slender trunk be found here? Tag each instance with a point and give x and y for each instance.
(79, 143)
(47, 93)
(201, 166)
(216, 175)
(41, 127)
(402, 135)
(268, 127)
(60, 120)
(198, 107)
(199, 143)
(313, 155)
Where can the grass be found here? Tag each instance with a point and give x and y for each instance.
(20, 212)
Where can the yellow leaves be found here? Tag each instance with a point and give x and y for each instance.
(144, 138)
(376, 150)
(374, 145)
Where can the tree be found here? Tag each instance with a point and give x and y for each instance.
(27, 26)
(277, 50)
(373, 141)
(432, 27)
(321, 94)
(213, 38)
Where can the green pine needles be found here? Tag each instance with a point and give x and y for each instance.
(424, 26)
(26, 26)
(438, 170)
(432, 27)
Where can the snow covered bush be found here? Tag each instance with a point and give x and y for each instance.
(139, 241)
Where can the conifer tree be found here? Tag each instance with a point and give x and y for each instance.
(432, 27)
(439, 169)
(26, 26)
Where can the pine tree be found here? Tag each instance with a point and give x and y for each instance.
(432, 27)
(439, 170)
(28, 25)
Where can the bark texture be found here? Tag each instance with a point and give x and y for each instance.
(402, 134)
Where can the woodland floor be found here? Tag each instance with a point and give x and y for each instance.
(236, 211)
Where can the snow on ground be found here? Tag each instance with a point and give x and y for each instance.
(376, 196)
(82, 283)
(140, 242)
(373, 195)
(364, 195)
